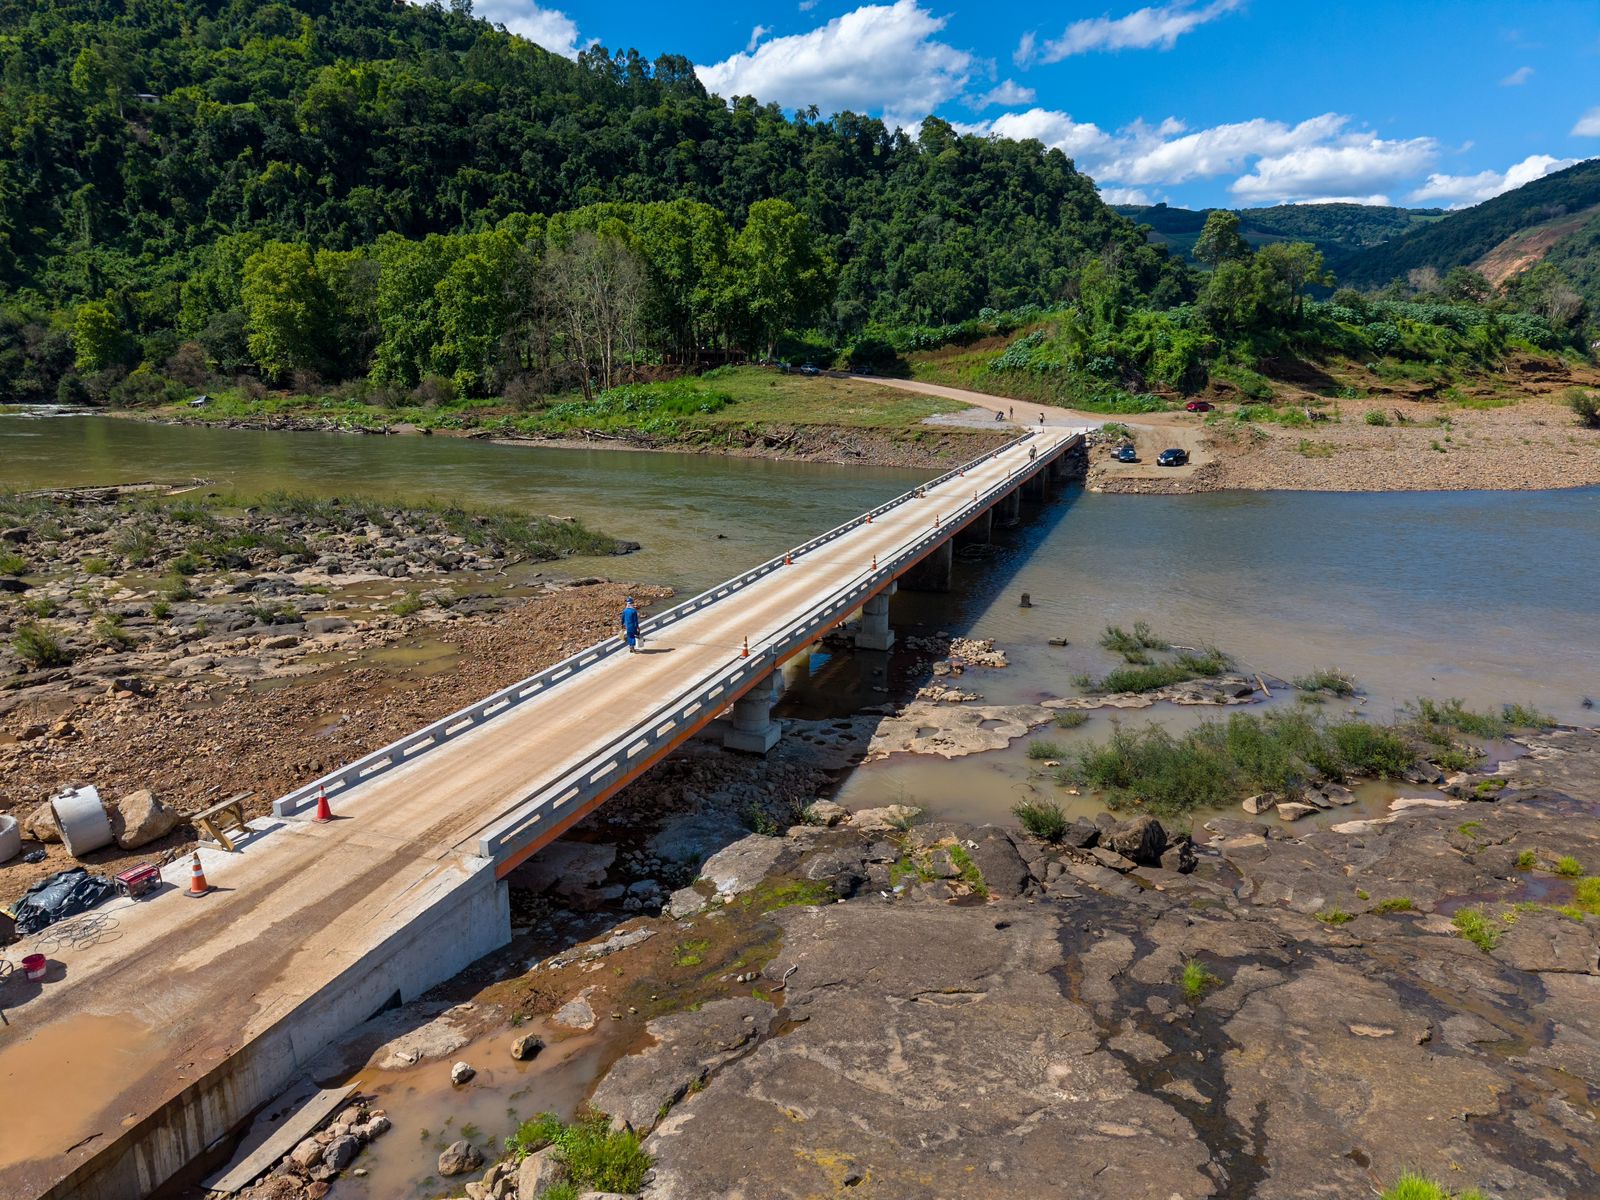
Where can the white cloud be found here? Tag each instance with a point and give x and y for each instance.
(1006, 92)
(1518, 77)
(1356, 164)
(547, 27)
(1027, 50)
(1120, 195)
(1459, 191)
(807, 5)
(877, 58)
(1589, 124)
(756, 34)
(1139, 30)
(1055, 129)
(1168, 154)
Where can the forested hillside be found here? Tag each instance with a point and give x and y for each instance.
(1338, 230)
(1465, 237)
(155, 145)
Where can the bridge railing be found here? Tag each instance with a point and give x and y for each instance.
(602, 770)
(430, 737)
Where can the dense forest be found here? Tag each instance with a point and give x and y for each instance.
(404, 203)
(157, 142)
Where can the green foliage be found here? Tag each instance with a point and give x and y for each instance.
(650, 408)
(11, 562)
(1395, 904)
(565, 1190)
(98, 339)
(40, 645)
(1587, 894)
(408, 605)
(1071, 718)
(95, 565)
(1411, 1186)
(1188, 665)
(1453, 714)
(690, 953)
(1526, 860)
(1196, 980)
(1568, 867)
(1477, 927)
(1375, 417)
(1131, 646)
(1523, 716)
(1044, 819)
(1042, 749)
(596, 1157)
(1334, 916)
(108, 628)
(1327, 679)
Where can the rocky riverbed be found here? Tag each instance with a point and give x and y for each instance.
(874, 1005)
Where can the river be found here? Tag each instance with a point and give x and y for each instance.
(1489, 596)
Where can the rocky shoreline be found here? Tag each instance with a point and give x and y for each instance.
(1252, 1014)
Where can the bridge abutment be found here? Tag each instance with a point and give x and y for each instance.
(752, 728)
(875, 632)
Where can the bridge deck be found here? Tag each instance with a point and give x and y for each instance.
(130, 1024)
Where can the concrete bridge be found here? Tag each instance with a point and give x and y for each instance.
(148, 1049)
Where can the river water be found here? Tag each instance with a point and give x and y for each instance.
(1489, 596)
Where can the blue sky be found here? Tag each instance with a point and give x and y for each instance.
(1195, 102)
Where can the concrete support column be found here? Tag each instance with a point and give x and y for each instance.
(1010, 507)
(981, 529)
(932, 574)
(752, 728)
(1034, 488)
(874, 632)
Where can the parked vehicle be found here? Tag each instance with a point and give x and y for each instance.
(811, 369)
(1172, 457)
(1198, 406)
(1125, 453)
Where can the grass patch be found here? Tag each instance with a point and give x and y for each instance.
(1452, 714)
(1374, 417)
(408, 605)
(1526, 860)
(95, 565)
(12, 563)
(40, 606)
(1195, 980)
(770, 897)
(1395, 904)
(1523, 716)
(1201, 664)
(1327, 679)
(108, 628)
(1586, 895)
(1042, 750)
(1411, 1186)
(1568, 867)
(1044, 819)
(40, 646)
(1470, 829)
(1131, 646)
(161, 608)
(1474, 925)
(597, 1157)
(1071, 718)
(1334, 916)
(970, 875)
(1218, 762)
(691, 953)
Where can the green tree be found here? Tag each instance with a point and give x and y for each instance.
(98, 337)
(1287, 269)
(308, 310)
(779, 278)
(1230, 301)
(1220, 240)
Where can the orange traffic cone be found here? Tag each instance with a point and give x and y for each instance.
(788, 560)
(745, 653)
(324, 813)
(197, 879)
(874, 562)
(936, 520)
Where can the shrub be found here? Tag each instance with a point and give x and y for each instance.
(1046, 750)
(1196, 979)
(12, 563)
(1411, 1186)
(1374, 417)
(1044, 819)
(1568, 867)
(95, 565)
(1327, 679)
(1131, 646)
(597, 1157)
(1587, 894)
(1474, 925)
(1526, 860)
(108, 628)
(40, 646)
(1522, 716)
(407, 605)
(1071, 718)
(1586, 405)
(161, 609)
(1453, 714)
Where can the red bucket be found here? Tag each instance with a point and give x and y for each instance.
(33, 966)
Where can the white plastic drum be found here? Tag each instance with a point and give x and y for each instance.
(10, 838)
(82, 820)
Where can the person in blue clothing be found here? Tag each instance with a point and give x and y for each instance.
(630, 625)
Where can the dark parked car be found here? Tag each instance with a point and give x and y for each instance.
(1125, 453)
(1198, 406)
(1172, 457)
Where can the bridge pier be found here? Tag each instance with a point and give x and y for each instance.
(874, 632)
(980, 529)
(932, 574)
(1010, 507)
(752, 728)
(1035, 488)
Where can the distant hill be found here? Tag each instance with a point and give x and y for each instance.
(1338, 230)
(1556, 219)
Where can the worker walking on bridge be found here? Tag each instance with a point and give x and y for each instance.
(630, 625)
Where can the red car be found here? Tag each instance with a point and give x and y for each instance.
(1198, 406)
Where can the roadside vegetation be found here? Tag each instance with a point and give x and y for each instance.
(1411, 1186)
(597, 1157)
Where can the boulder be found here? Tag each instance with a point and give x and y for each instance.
(1110, 858)
(139, 818)
(539, 1171)
(1081, 834)
(306, 1155)
(826, 812)
(841, 870)
(1338, 794)
(527, 1046)
(41, 824)
(1293, 812)
(1256, 805)
(889, 819)
(576, 1013)
(1141, 839)
(375, 1127)
(339, 1153)
(461, 1073)
(1179, 857)
(458, 1158)
(999, 862)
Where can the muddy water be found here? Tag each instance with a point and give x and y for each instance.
(429, 1113)
(43, 1074)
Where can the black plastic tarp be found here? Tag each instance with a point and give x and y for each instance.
(64, 894)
